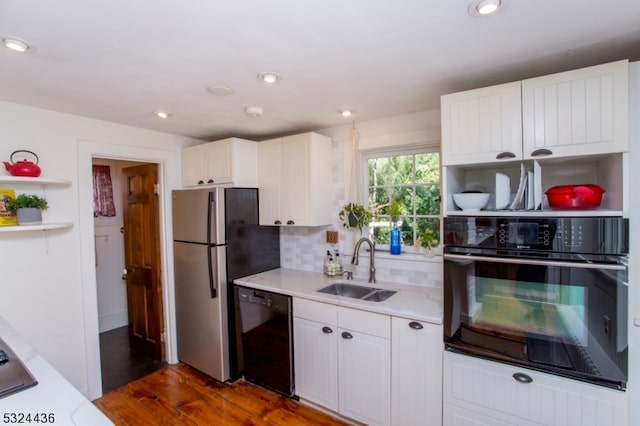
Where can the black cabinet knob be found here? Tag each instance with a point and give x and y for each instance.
(415, 325)
(347, 335)
(327, 330)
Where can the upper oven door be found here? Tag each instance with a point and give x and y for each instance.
(565, 316)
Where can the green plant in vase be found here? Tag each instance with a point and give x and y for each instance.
(394, 209)
(27, 208)
(427, 240)
(354, 215)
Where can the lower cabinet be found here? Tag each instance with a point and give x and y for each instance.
(343, 360)
(370, 367)
(480, 392)
(416, 373)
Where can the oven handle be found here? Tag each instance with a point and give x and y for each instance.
(536, 262)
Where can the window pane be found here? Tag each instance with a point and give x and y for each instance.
(428, 168)
(379, 171)
(378, 197)
(405, 197)
(427, 200)
(401, 169)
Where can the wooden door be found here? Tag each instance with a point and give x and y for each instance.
(142, 259)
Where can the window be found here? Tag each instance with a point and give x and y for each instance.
(413, 179)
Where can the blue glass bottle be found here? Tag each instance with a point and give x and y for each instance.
(394, 243)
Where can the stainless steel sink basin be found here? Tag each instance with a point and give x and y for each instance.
(358, 292)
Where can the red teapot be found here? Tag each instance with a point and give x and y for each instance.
(23, 167)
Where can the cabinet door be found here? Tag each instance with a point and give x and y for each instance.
(492, 389)
(219, 163)
(207, 164)
(296, 190)
(416, 372)
(316, 362)
(193, 164)
(577, 112)
(482, 125)
(364, 366)
(270, 181)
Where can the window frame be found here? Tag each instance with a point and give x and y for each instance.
(365, 156)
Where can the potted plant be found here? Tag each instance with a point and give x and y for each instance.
(27, 208)
(354, 215)
(428, 241)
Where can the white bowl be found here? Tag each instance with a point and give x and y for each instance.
(471, 201)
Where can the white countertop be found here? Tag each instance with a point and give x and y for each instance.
(411, 302)
(53, 393)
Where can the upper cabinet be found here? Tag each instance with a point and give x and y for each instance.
(224, 162)
(525, 137)
(572, 113)
(581, 112)
(294, 177)
(482, 125)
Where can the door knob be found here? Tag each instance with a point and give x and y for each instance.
(124, 274)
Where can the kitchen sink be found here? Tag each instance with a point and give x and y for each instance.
(358, 292)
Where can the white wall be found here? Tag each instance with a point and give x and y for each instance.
(48, 279)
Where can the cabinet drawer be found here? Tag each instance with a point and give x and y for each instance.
(365, 322)
(315, 311)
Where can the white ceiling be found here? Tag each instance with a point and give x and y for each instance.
(121, 60)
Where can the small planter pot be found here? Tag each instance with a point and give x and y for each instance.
(29, 216)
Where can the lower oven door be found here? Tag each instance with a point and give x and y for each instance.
(568, 318)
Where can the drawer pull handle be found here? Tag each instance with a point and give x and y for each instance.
(541, 151)
(522, 378)
(200, 182)
(327, 330)
(277, 222)
(504, 155)
(347, 335)
(415, 325)
(210, 181)
(290, 222)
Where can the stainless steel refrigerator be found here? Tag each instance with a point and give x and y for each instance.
(216, 238)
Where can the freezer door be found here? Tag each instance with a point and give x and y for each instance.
(195, 215)
(201, 321)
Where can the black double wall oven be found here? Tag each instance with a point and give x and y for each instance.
(545, 293)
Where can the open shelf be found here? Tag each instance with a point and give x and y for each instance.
(33, 180)
(41, 227)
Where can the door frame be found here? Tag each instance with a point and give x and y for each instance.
(167, 160)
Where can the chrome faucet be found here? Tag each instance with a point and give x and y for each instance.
(372, 261)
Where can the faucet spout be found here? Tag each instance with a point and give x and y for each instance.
(372, 262)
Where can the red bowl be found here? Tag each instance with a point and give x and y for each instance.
(578, 197)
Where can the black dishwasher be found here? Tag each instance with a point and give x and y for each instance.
(264, 338)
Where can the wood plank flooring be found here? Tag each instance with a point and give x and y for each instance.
(181, 395)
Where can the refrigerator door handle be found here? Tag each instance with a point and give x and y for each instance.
(212, 267)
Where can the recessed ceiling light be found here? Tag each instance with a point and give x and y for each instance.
(484, 7)
(269, 77)
(162, 114)
(345, 112)
(254, 111)
(15, 44)
(219, 90)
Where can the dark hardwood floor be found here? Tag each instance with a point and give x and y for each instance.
(180, 395)
(119, 363)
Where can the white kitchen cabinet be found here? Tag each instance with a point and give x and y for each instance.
(224, 162)
(577, 112)
(315, 337)
(294, 177)
(482, 125)
(343, 360)
(478, 391)
(364, 366)
(416, 372)
(574, 131)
